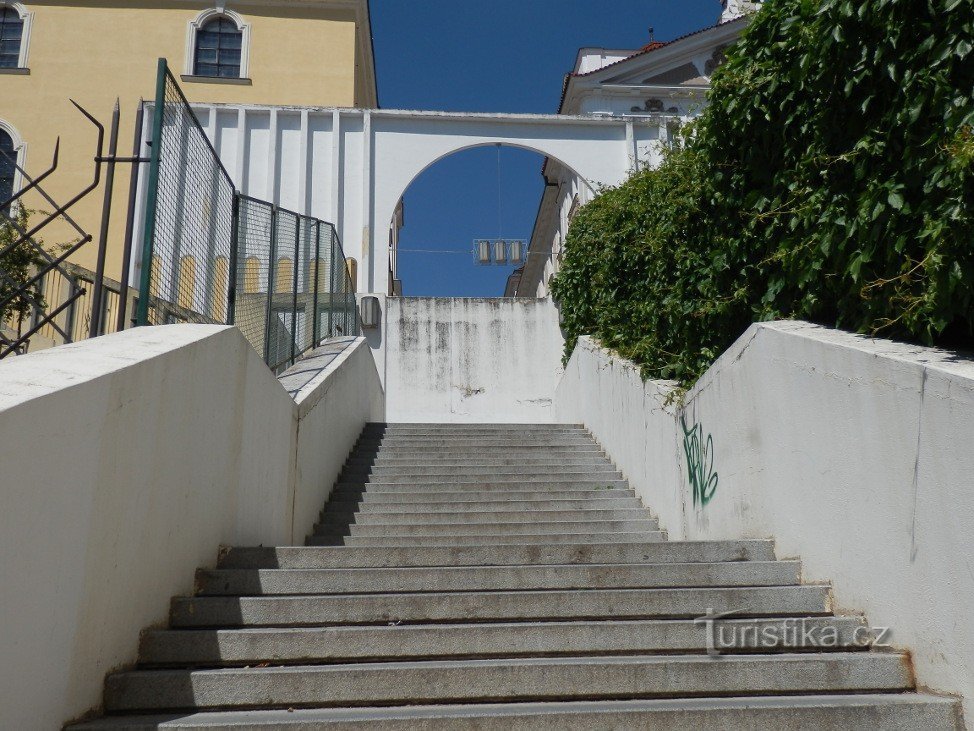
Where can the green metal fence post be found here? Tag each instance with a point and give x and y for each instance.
(332, 283)
(270, 285)
(294, 288)
(315, 330)
(145, 280)
(234, 261)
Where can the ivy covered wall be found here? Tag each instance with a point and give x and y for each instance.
(831, 179)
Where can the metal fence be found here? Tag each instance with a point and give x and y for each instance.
(213, 255)
(44, 298)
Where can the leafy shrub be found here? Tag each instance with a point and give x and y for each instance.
(831, 178)
(17, 267)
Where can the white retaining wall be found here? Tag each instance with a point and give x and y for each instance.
(125, 462)
(471, 360)
(854, 454)
(331, 411)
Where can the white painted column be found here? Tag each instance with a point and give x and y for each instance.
(336, 168)
(241, 152)
(303, 176)
(270, 189)
(367, 270)
(631, 148)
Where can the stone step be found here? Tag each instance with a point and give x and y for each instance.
(471, 446)
(506, 433)
(479, 450)
(460, 427)
(538, 437)
(494, 498)
(470, 460)
(569, 490)
(535, 528)
(876, 711)
(499, 606)
(485, 504)
(472, 475)
(477, 540)
(527, 471)
(478, 516)
(509, 679)
(216, 648)
(586, 481)
(330, 557)
(266, 582)
(475, 432)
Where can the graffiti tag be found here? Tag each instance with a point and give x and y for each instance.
(700, 463)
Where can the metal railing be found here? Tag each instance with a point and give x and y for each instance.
(213, 255)
(43, 294)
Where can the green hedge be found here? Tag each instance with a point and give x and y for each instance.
(831, 178)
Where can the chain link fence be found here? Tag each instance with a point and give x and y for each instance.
(213, 255)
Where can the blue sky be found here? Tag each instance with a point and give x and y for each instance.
(498, 56)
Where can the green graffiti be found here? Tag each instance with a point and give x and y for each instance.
(700, 463)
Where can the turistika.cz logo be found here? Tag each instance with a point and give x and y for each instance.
(726, 632)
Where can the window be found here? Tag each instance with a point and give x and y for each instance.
(11, 37)
(8, 166)
(219, 49)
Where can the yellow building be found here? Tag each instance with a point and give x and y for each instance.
(280, 52)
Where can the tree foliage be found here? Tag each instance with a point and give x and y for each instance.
(17, 267)
(831, 178)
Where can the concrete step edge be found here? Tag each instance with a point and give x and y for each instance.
(348, 557)
(296, 582)
(298, 645)
(877, 711)
(477, 514)
(504, 606)
(508, 679)
(455, 541)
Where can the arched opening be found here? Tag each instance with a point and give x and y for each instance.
(15, 23)
(8, 166)
(186, 289)
(284, 275)
(218, 289)
(218, 45)
(464, 224)
(251, 280)
(11, 37)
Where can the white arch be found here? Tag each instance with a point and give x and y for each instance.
(478, 145)
(404, 145)
(28, 19)
(196, 25)
(20, 150)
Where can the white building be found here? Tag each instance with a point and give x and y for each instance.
(662, 81)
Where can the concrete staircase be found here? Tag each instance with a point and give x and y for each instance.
(499, 577)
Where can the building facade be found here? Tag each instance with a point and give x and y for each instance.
(280, 52)
(666, 82)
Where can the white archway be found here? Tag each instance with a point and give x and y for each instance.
(396, 221)
(404, 144)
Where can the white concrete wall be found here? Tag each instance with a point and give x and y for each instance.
(125, 462)
(332, 411)
(471, 360)
(853, 453)
(631, 421)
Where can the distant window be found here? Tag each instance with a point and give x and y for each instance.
(219, 47)
(11, 36)
(8, 166)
